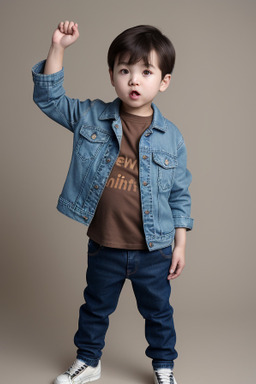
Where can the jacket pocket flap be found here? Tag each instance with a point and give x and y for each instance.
(165, 160)
(93, 135)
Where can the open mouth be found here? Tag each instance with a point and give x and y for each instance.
(134, 94)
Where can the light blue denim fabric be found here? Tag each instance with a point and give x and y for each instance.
(163, 175)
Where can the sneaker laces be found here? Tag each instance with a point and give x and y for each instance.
(77, 367)
(164, 376)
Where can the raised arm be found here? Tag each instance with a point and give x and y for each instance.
(48, 77)
(65, 35)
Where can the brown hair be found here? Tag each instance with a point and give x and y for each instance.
(138, 42)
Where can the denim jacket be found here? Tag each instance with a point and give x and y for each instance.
(97, 133)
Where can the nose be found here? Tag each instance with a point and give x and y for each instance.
(134, 80)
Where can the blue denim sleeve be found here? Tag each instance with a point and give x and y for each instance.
(49, 95)
(180, 199)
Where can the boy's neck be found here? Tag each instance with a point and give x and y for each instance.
(143, 111)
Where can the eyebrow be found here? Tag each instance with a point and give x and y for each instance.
(127, 63)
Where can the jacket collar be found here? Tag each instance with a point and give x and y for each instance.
(112, 112)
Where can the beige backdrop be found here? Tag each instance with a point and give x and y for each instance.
(43, 256)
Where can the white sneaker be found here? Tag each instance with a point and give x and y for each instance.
(79, 373)
(164, 376)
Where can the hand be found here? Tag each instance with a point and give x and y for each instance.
(178, 262)
(66, 34)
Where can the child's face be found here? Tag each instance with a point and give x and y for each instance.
(137, 84)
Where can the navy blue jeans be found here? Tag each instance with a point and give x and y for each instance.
(107, 270)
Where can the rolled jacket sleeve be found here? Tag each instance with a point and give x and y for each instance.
(180, 199)
(50, 96)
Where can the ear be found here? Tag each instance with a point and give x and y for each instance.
(165, 82)
(111, 76)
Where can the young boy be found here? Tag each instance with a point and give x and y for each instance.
(128, 183)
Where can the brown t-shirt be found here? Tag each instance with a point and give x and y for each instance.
(118, 219)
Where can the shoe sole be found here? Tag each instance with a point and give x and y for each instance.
(88, 380)
(92, 378)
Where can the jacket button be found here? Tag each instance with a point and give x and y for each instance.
(144, 157)
(86, 218)
(96, 186)
(166, 162)
(146, 212)
(93, 136)
(147, 134)
(151, 245)
(145, 183)
(116, 126)
(108, 160)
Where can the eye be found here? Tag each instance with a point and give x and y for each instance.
(146, 72)
(124, 71)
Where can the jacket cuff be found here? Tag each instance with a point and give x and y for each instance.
(41, 79)
(183, 222)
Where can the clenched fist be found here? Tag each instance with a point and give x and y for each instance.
(66, 34)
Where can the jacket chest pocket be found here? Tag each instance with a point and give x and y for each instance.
(166, 164)
(90, 142)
